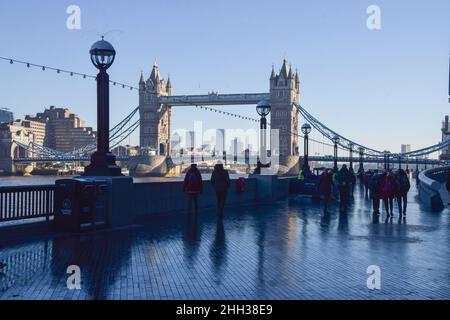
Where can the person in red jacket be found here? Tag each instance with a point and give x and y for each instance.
(325, 186)
(193, 186)
(388, 191)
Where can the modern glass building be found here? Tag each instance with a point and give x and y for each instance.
(6, 116)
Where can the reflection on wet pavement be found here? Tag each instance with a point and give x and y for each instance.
(288, 250)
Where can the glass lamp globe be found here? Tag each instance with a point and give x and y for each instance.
(102, 54)
(263, 108)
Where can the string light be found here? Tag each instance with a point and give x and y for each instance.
(59, 71)
(72, 73)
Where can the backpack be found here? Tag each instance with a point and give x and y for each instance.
(192, 180)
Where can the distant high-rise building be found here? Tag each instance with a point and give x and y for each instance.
(175, 142)
(237, 147)
(64, 130)
(405, 148)
(36, 128)
(190, 140)
(6, 116)
(220, 141)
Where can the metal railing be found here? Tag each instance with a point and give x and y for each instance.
(26, 202)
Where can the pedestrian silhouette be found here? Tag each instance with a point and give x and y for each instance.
(193, 186)
(325, 186)
(344, 180)
(220, 181)
(403, 186)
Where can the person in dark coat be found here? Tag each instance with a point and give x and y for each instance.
(366, 180)
(388, 191)
(375, 191)
(403, 186)
(220, 181)
(193, 186)
(344, 180)
(447, 185)
(325, 186)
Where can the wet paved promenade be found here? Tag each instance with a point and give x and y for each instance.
(288, 250)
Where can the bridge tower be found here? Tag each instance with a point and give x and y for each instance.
(10, 150)
(284, 92)
(154, 117)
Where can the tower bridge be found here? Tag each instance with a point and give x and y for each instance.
(156, 102)
(154, 113)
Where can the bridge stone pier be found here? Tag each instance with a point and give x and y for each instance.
(9, 150)
(156, 102)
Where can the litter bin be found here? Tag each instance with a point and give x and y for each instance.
(81, 204)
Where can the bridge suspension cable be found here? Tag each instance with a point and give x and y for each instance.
(347, 143)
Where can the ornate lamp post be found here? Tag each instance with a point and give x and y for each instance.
(263, 108)
(335, 140)
(351, 155)
(361, 158)
(385, 155)
(103, 162)
(388, 156)
(306, 130)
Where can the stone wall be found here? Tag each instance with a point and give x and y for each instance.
(168, 197)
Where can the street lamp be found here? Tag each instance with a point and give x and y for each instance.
(103, 162)
(361, 158)
(335, 140)
(306, 130)
(263, 108)
(388, 156)
(351, 154)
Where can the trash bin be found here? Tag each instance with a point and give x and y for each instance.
(81, 204)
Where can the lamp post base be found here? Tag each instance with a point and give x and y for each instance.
(103, 165)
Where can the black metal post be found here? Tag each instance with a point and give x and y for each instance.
(103, 162)
(351, 157)
(263, 127)
(361, 160)
(306, 167)
(399, 162)
(335, 156)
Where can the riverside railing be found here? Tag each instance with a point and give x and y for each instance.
(26, 202)
(430, 184)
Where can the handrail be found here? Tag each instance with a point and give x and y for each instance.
(26, 202)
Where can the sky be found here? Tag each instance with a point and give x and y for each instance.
(381, 88)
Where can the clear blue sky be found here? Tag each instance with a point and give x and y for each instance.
(381, 88)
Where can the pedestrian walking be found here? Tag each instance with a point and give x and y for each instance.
(220, 181)
(403, 186)
(388, 191)
(325, 186)
(344, 180)
(374, 187)
(193, 186)
(366, 180)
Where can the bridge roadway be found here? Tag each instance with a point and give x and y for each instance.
(214, 99)
(286, 250)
